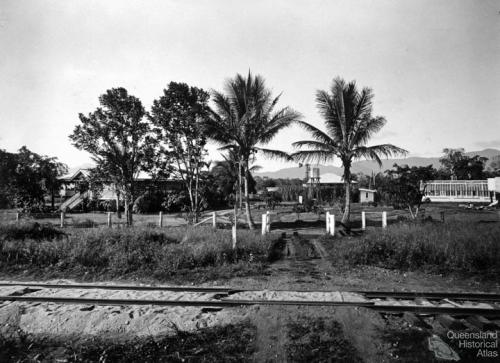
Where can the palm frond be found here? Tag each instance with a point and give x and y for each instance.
(313, 155)
(318, 145)
(374, 152)
(274, 154)
(316, 133)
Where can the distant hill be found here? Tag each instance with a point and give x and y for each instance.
(367, 166)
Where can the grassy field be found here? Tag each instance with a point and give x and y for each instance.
(467, 241)
(457, 245)
(198, 252)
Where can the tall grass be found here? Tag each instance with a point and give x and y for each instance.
(145, 251)
(447, 247)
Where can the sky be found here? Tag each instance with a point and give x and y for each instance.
(434, 66)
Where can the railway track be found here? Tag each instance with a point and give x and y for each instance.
(421, 303)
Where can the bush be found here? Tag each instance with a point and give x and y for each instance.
(453, 246)
(29, 230)
(148, 203)
(145, 251)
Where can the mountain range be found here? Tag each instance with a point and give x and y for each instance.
(367, 166)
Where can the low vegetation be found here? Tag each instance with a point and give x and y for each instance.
(151, 252)
(319, 340)
(235, 343)
(29, 230)
(454, 246)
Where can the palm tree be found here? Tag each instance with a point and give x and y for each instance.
(349, 125)
(244, 119)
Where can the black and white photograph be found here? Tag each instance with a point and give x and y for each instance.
(249, 181)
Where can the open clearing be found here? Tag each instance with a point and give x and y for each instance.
(49, 331)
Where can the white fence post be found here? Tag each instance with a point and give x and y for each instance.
(160, 220)
(384, 219)
(214, 220)
(268, 222)
(62, 219)
(109, 219)
(363, 220)
(332, 224)
(234, 236)
(327, 218)
(17, 217)
(264, 224)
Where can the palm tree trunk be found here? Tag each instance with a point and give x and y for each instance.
(251, 224)
(347, 183)
(239, 185)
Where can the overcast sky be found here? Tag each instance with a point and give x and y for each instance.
(434, 66)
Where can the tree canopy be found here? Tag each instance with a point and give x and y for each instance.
(178, 118)
(246, 118)
(26, 177)
(349, 124)
(118, 139)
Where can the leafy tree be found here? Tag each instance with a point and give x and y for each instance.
(406, 186)
(349, 124)
(245, 119)
(460, 166)
(118, 139)
(178, 118)
(26, 177)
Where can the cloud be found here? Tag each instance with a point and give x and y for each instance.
(490, 144)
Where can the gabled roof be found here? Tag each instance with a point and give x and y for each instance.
(70, 177)
(368, 190)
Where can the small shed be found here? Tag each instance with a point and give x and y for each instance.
(367, 195)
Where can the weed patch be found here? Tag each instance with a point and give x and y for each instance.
(450, 247)
(139, 252)
(231, 343)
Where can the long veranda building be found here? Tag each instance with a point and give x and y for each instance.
(470, 191)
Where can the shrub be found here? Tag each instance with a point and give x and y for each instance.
(146, 251)
(29, 230)
(453, 246)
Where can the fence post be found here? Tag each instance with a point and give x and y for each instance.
(17, 217)
(442, 216)
(268, 222)
(62, 219)
(160, 220)
(384, 219)
(363, 220)
(332, 224)
(214, 220)
(264, 224)
(109, 219)
(234, 236)
(327, 221)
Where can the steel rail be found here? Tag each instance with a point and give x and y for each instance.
(124, 287)
(419, 309)
(471, 296)
(212, 303)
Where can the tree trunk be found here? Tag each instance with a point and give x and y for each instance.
(251, 224)
(127, 212)
(347, 183)
(52, 202)
(118, 213)
(239, 185)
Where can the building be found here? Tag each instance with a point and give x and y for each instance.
(75, 188)
(470, 191)
(367, 195)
